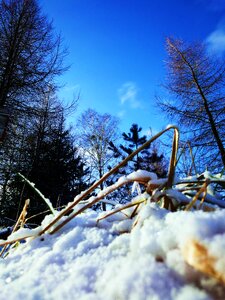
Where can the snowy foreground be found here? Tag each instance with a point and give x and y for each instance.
(107, 260)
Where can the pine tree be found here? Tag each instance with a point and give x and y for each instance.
(134, 141)
(148, 159)
(59, 172)
(44, 152)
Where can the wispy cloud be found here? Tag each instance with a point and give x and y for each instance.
(216, 41)
(128, 94)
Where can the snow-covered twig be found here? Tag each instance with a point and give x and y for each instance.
(139, 176)
(119, 209)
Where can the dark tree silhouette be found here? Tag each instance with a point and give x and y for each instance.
(45, 153)
(31, 55)
(134, 141)
(148, 159)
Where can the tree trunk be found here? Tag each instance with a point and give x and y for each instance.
(207, 109)
(212, 123)
(102, 187)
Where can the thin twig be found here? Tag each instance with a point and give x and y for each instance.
(203, 198)
(95, 200)
(172, 165)
(192, 159)
(21, 220)
(135, 210)
(119, 209)
(15, 240)
(195, 198)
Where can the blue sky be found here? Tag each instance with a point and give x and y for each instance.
(117, 50)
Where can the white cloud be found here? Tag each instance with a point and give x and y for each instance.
(216, 41)
(128, 94)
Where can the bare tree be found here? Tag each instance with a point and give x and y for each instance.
(197, 79)
(31, 55)
(96, 131)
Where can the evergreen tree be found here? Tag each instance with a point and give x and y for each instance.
(58, 173)
(134, 140)
(44, 152)
(148, 159)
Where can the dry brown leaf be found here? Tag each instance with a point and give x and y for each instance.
(197, 256)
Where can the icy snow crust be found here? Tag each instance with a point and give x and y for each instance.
(107, 260)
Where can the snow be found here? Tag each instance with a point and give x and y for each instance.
(158, 182)
(117, 258)
(170, 126)
(142, 174)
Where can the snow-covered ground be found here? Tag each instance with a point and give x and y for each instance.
(114, 260)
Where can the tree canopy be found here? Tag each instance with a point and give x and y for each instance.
(31, 54)
(196, 80)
